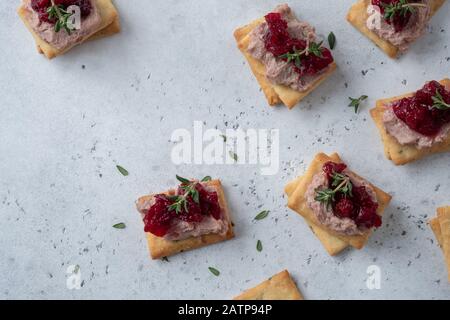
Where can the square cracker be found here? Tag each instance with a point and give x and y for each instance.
(275, 94)
(444, 223)
(279, 287)
(298, 203)
(358, 15)
(160, 247)
(108, 15)
(332, 244)
(403, 154)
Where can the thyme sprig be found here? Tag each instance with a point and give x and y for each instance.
(180, 202)
(439, 103)
(61, 15)
(341, 183)
(297, 55)
(355, 102)
(403, 7)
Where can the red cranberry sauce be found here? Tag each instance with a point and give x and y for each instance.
(41, 6)
(400, 19)
(418, 111)
(358, 206)
(159, 218)
(279, 42)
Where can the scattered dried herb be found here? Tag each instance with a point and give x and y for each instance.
(262, 215)
(120, 225)
(332, 40)
(259, 246)
(122, 170)
(214, 271)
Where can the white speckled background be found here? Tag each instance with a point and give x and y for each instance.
(63, 129)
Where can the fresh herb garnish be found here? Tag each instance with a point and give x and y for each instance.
(61, 15)
(180, 202)
(439, 103)
(325, 196)
(403, 7)
(315, 48)
(259, 246)
(262, 215)
(207, 178)
(122, 170)
(297, 55)
(182, 180)
(332, 40)
(355, 102)
(341, 180)
(119, 225)
(341, 183)
(214, 271)
(234, 156)
(224, 137)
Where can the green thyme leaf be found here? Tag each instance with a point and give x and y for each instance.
(195, 195)
(214, 271)
(439, 103)
(262, 215)
(332, 40)
(119, 225)
(57, 26)
(207, 178)
(259, 246)
(183, 180)
(122, 170)
(234, 156)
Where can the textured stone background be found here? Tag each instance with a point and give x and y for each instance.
(66, 123)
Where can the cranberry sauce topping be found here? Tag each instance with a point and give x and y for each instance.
(421, 112)
(196, 203)
(41, 6)
(279, 42)
(357, 204)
